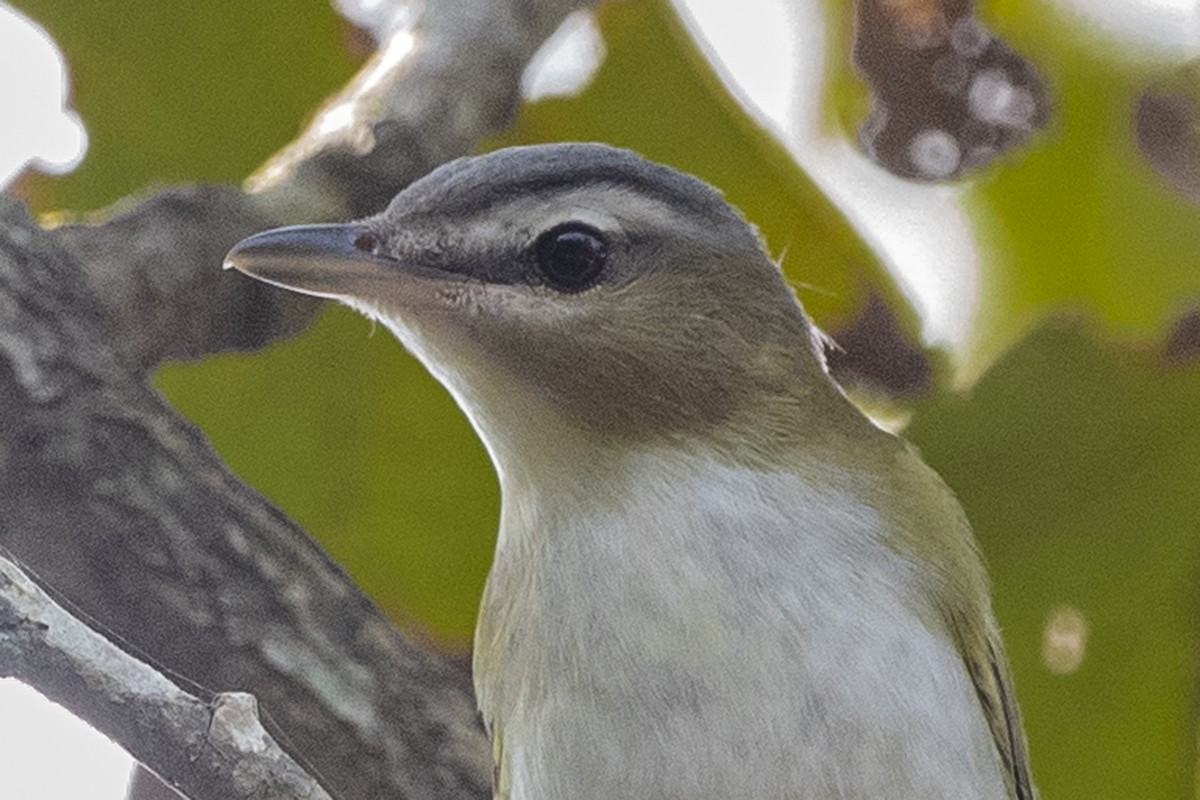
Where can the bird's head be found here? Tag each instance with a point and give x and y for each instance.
(571, 287)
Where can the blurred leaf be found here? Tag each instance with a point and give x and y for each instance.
(948, 96)
(1082, 220)
(847, 93)
(1166, 123)
(1076, 220)
(175, 92)
(1078, 463)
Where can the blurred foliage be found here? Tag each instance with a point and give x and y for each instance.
(1083, 220)
(177, 92)
(1078, 463)
(1077, 455)
(1166, 127)
(1078, 220)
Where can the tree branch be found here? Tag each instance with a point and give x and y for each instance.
(122, 506)
(215, 748)
(453, 67)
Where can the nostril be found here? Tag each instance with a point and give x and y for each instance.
(367, 243)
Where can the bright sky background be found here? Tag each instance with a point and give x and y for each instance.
(33, 85)
(769, 51)
(47, 754)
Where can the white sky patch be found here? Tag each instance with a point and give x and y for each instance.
(754, 47)
(1156, 29)
(34, 125)
(37, 738)
(380, 17)
(567, 61)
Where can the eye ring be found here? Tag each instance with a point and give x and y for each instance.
(571, 256)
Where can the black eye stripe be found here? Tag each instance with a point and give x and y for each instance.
(571, 256)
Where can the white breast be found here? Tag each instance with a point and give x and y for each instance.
(749, 636)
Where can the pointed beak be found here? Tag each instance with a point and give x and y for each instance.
(322, 260)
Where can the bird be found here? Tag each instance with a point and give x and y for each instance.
(714, 577)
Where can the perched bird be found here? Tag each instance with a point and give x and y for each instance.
(714, 578)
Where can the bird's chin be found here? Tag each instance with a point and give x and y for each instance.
(420, 324)
(410, 303)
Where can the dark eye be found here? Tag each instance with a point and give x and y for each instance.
(571, 256)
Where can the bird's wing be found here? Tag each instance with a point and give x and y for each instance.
(987, 664)
(500, 788)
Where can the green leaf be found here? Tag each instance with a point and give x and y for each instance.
(1076, 220)
(174, 92)
(1082, 221)
(1078, 462)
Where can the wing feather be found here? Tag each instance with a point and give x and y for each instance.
(500, 787)
(986, 662)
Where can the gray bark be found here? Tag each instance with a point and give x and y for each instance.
(212, 744)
